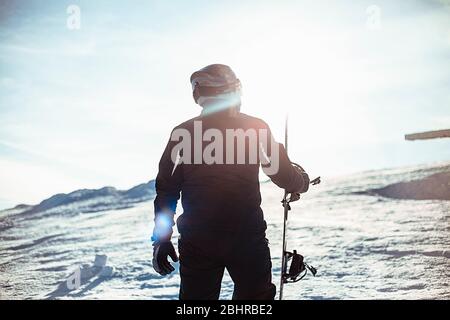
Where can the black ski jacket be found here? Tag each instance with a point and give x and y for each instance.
(221, 197)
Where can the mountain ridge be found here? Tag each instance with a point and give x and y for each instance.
(104, 198)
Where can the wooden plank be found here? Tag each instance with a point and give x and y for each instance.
(428, 135)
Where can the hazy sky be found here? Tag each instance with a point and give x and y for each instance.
(93, 107)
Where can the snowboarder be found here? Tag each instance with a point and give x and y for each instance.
(222, 224)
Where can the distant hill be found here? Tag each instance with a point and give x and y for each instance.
(421, 183)
(91, 200)
(433, 187)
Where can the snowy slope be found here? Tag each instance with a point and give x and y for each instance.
(364, 246)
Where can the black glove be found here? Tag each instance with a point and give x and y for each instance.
(293, 196)
(161, 250)
(304, 176)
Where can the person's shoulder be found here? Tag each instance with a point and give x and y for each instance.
(187, 124)
(256, 122)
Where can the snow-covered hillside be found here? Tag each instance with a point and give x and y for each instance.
(364, 245)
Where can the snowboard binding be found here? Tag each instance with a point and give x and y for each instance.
(298, 268)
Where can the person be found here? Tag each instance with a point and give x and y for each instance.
(222, 225)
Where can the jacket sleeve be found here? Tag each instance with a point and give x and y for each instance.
(168, 183)
(287, 177)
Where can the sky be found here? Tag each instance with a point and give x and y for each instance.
(94, 106)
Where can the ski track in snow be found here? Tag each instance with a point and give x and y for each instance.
(364, 247)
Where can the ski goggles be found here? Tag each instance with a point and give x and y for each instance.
(204, 91)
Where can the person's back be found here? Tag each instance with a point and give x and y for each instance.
(213, 162)
(222, 196)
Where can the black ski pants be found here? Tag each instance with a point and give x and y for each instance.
(205, 255)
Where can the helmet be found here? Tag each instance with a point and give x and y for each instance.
(214, 80)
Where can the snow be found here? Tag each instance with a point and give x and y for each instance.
(364, 246)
